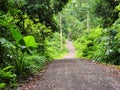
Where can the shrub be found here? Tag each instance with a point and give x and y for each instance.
(34, 64)
(53, 48)
(88, 43)
(7, 77)
(101, 45)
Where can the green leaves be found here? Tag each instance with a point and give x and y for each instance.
(6, 43)
(16, 35)
(2, 85)
(7, 77)
(118, 7)
(88, 44)
(25, 43)
(30, 41)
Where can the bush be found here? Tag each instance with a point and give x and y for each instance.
(53, 49)
(112, 44)
(34, 64)
(88, 43)
(16, 46)
(102, 45)
(7, 77)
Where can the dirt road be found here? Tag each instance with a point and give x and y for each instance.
(75, 74)
(71, 49)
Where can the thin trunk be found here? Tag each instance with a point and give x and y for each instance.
(61, 42)
(88, 21)
(88, 17)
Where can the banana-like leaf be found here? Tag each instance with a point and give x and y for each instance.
(30, 41)
(16, 35)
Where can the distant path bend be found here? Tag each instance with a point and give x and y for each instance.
(71, 50)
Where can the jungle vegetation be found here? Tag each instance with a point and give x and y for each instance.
(30, 36)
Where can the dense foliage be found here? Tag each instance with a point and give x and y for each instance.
(106, 9)
(29, 36)
(27, 40)
(88, 43)
(101, 42)
(93, 25)
(44, 10)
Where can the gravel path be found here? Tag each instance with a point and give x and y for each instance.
(71, 49)
(74, 74)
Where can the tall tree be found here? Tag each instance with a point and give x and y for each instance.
(43, 9)
(106, 10)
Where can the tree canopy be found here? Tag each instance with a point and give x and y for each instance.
(44, 10)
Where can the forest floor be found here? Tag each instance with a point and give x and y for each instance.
(70, 73)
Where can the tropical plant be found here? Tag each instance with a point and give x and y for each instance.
(88, 43)
(34, 63)
(22, 24)
(53, 48)
(7, 77)
(22, 45)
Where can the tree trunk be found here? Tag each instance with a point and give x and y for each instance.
(61, 41)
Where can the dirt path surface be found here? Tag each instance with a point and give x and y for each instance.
(75, 74)
(71, 49)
